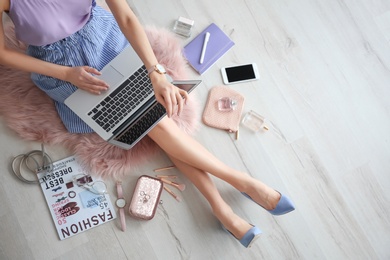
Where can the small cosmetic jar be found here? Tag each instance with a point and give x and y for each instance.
(183, 26)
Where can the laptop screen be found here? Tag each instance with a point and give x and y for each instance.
(187, 85)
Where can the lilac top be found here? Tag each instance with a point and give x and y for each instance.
(42, 22)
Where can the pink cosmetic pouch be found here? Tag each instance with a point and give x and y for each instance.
(146, 197)
(223, 119)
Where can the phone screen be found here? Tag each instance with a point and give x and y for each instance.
(239, 73)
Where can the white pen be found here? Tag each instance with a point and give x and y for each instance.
(206, 40)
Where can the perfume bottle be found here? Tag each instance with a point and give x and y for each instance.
(227, 104)
(255, 122)
(258, 123)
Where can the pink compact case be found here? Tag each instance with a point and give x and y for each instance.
(146, 197)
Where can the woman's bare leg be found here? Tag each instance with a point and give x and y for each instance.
(183, 147)
(236, 225)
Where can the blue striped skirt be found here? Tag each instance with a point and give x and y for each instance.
(96, 44)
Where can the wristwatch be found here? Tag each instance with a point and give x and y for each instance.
(158, 68)
(121, 203)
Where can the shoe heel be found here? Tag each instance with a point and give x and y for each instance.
(250, 236)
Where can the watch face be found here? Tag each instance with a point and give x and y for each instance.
(160, 69)
(120, 203)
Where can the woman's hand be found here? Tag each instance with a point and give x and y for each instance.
(168, 95)
(82, 77)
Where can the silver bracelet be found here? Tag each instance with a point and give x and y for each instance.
(24, 162)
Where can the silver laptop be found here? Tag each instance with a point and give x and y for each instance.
(128, 110)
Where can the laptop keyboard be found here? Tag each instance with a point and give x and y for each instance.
(136, 130)
(110, 111)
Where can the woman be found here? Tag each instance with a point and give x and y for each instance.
(70, 41)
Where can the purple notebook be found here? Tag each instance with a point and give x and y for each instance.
(218, 44)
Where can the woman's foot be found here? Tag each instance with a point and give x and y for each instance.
(233, 223)
(263, 195)
(271, 200)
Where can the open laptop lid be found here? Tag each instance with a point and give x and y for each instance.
(187, 85)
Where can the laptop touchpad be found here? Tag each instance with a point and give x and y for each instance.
(111, 76)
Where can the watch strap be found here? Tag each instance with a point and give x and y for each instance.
(121, 210)
(119, 189)
(123, 220)
(155, 68)
(151, 69)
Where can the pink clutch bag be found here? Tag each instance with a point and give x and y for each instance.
(223, 109)
(146, 197)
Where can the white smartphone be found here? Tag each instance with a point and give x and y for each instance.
(240, 73)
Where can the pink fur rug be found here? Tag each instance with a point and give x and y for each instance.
(32, 115)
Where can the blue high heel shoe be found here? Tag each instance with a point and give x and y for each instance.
(285, 205)
(250, 236)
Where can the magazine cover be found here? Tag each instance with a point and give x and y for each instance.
(77, 201)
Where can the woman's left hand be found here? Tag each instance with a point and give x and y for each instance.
(168, 95)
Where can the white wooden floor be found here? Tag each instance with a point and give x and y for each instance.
(325, 82)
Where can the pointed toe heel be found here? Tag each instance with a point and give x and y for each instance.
(284, 206)
(249, 238)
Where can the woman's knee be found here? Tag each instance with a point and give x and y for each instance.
(165, 126)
